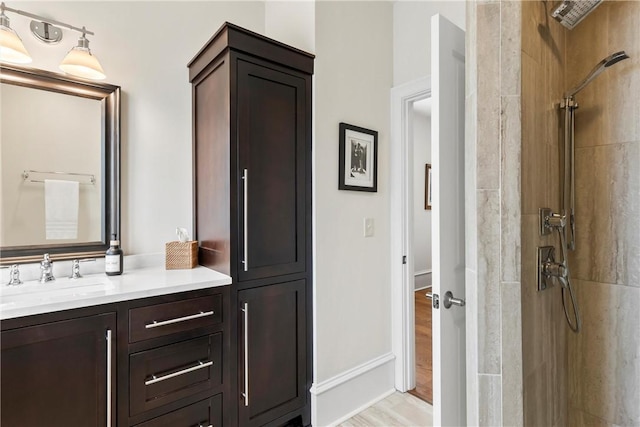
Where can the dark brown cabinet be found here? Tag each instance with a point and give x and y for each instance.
(273, 351)
(252, 188)
(55, 374)
(158, 361)
(271, 125)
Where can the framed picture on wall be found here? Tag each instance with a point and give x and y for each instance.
(358, 169)
(427, 187)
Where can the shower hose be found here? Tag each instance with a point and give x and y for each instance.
(566, 285)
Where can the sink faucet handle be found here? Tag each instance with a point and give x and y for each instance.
(46, 269)
(14, 275)
(75, 269)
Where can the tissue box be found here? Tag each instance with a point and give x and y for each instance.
(181, 255)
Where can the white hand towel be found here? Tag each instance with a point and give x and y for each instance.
(61, 209)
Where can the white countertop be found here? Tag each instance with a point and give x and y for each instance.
(96, 289)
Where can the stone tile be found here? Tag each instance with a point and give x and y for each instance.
(607, 212)
(511, 141)
(491, 395)
(623, 83)
(537, 399)
(488, 282)
(512, 414)
(532, 14)
(471, 294)
(578, 418)
(488, 123)
(510, 23)
(535, 151)
(471, 48)
(604, 358)
(471, 247)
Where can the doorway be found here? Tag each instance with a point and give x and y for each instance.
(404, 193)
(420, 139)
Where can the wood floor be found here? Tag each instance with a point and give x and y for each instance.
(424, 356)
(397, 410)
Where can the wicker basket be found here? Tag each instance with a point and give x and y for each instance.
(181, 255)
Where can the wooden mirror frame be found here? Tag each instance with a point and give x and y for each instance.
(109, 97)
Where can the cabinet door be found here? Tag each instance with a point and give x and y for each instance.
(272, 352)
(55, 374)
(272, 121)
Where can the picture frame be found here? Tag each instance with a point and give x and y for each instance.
(358, 167)
(427, 187)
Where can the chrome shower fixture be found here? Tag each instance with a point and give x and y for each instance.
(570, 12)
(599, 68)
(569, 105)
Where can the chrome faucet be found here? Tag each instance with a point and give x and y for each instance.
(14, 276)
(75, 269)
(46, 270)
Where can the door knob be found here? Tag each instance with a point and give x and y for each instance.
(450, 300)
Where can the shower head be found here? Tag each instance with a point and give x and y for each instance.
(570, 12)
(602, 65)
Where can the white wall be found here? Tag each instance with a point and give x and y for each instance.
(292, 22)
(412, 35)
(353, 77)
(421, 217)
(352, 81)
(144, 47)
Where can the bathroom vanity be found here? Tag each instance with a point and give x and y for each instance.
(149, 348)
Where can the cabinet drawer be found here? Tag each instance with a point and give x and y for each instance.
(206, 413)
(163, 319)
(166, 374)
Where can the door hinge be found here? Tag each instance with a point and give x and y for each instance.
(404, 259)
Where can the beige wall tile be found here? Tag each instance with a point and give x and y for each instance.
(511, 141)
(607, 212)
(604, 382)
(489, 344)
(510, 27)
(490, 408)
(512, 412)
(488, 124)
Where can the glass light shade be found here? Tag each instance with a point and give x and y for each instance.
(11, 47)
(80, 62)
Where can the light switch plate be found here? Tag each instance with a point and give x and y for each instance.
(368, 227)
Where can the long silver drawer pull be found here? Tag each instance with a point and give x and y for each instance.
(109, 344)
(245, 309)
(200, 365)
(245, 178)
(204, 425)
(155, 324)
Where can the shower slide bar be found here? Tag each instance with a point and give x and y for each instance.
(26, 175)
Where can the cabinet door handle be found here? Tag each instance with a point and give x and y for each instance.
(204, 425)
(245, 178)
(200, 365)
(109, 349)
(245, 309)
(155, 323)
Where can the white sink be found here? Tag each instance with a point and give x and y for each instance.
(36, 293)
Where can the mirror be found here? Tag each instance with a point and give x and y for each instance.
(60, 165)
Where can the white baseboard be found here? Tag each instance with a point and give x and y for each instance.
(422, 279)
(342, 396)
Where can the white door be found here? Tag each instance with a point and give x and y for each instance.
(447, 157)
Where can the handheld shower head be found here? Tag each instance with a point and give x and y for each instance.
(602, 65)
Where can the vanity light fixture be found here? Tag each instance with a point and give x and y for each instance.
(78, 62)
(11, 47)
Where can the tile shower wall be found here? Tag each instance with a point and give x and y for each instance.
(493, 135)
(544, 349)
(604, 359)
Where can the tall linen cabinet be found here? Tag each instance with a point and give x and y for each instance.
(252, 196)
